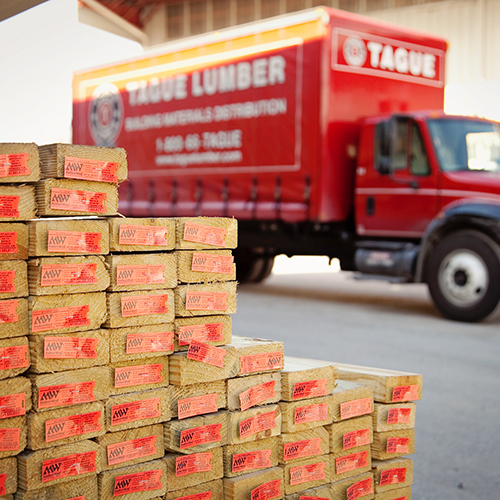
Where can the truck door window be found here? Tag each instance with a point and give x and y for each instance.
(419, 164)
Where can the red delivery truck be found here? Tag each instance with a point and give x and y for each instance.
(323, 133)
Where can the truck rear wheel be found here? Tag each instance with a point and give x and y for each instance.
(252, 267)
(464, 276)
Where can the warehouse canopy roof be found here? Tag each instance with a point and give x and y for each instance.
(9, 8)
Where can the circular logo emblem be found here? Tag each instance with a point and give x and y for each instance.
(354, 51)
(106, 114)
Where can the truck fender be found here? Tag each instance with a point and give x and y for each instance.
(483, 216)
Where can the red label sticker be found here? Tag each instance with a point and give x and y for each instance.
(7, 284)
(140, 275)
(351, 462)
(10, 438)
(90, 170)
(399, 416)
(9, 206)
(261, 362)
(360, 489)
(311, 413)
(12, 405)
(307, 473)
(73, 425)
(206, 332)
(150, 342)
(356, 438)
(68, 274)
(398, 445)
(309, 389)
(257, 394)
(8, 310)
(57, 319)
(8, 242)
(210, 263)
(131, 450)
(14, 357)
(252, 460)
(143, 305)
(209, 235)
(70, 348)
(66, 394)
(73, 242)
(267, 491)
(129, 376)
(206, 301)
(197, 405)
(405, 393)
(140, 481)
(135, 410)
(200, 435)
(71, 465)
(14, 165)
(393, 476)
(78, 201)
(154, 236)
(206, 495)
(257, 423)
(355, 408)
(301, 449)
(3, 479)
(205, 353)
(192, 464)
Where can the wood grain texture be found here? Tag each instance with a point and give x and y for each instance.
(347, 434)
(403, 444)
(17, 359)
(13, 386)
(14, 427)
(8, 466)
(15, 312)
(205, 299)
(18, 202)
(241, 487)
(339, 488)
(210, 261)
(189, 393)
(13, 279)
(394, 416)
(350, 392)
(32, 162)
(305, 441)
(213, 330)
(256, 423)
(392, 474)
(215, 487)
(306, 414)
(322, 492)
(396, 494)
(255, 355)
(226, 233)
(249, 388)
(13, 241)
(348, 464)
(84, 486)
(298, 473)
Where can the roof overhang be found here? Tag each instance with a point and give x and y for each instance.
(10, 8)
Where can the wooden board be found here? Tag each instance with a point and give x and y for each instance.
(16, 318)
(66, 313)
(140, 342)
(68, 351)
(141, 481)
(15, 397)
(52, 162)
(13, 434)
(254, 424)
(129, 234)
(139, 375)
(131, 446)
(141, 307)
(184, 471)
(56, 390)
(305, 378)
(392, 444)
(299, 445)
(8, 466)
(307, 473)
(298, 416)
(63, 275)
(395, 416)
(15, 357)
(196, 434)
(348, 464)
(397, 494)
(205, 299)
(196, 233)
(320, 492)
(62, 197)
(215, 487)
(80, 487)
(13, 279)
(350, 434)
(389, 386)
(254, 390)
(205, 266)
(129, 411)
(361, 485)
(13, 241)
(17, 203)
(196, 399)
(68, 236)
(147, 271)
(23, 166)
(392, 473)
(244, 458)
(212, 330)
(351, 400)
(268, 481)
(51, 428)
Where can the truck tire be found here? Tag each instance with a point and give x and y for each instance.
(463, 276)
(266, 267)
(251, 267)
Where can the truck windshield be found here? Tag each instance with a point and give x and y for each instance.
(466, 145)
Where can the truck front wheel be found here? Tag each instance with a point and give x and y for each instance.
(463, 275)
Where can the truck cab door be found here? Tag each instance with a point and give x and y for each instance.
(396, 195)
